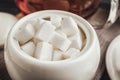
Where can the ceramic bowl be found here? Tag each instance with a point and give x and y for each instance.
(23, 67)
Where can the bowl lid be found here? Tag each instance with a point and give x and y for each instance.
(6, 22)
(113, 59)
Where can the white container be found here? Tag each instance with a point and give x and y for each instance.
(113, 59)
(24, 67)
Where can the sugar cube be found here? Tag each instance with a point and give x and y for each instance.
(33, 21)
(56, 20)
(44, 51)
(69, 26)
(25, 34)
(28, 48)
(45, 32)
(39, 24)
(72, 53)
(57, 55)
(76, 41)
(61, 33)
(60, 42)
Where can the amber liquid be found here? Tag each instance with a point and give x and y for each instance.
(83, 8)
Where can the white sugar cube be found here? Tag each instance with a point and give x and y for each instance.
(17, 44)
(61, 33)
(76, 41)
(60, 41)
(45, 32)
(28, 48)
(72, 53)
(44, 51)
(57, 55)
(25, 34)
(39, 24)
(56, 20)
(36, 40)
(33, 21)
(69, 26)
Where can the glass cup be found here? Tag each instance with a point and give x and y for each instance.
(83, 8)
(103, 19)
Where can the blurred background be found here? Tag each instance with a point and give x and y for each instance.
(87, 8)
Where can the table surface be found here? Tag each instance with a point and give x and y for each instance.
(105, 37)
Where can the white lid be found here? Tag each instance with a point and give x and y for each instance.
(113, 59)
(6, 23)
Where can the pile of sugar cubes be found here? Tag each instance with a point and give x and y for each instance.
(55, 39)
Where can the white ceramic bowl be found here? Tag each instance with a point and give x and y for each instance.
(113, 59)
(23, 67)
